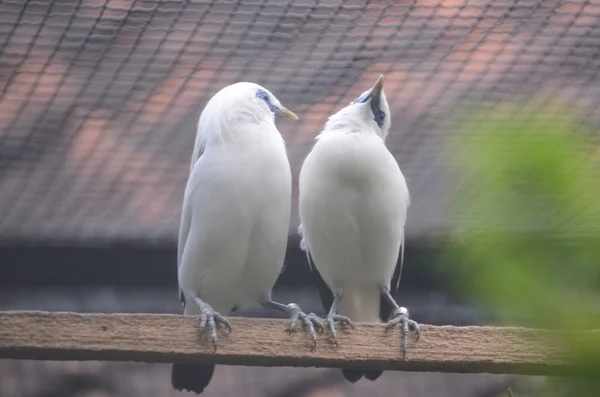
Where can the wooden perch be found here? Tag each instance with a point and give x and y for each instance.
(263, 342)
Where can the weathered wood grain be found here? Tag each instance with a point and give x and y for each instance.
(264, 342)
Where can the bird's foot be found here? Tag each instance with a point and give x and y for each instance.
(310, 321)
(400, 316)
(333, 318)
(210, 319)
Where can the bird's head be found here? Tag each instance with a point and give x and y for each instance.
(235, 105)
(369, 111)
(252, 101)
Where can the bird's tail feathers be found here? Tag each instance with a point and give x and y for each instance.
(373, 375)
(191, 377)
(361, 304)
(354, 375)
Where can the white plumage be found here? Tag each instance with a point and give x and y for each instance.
(353, 204)
(237, 203)
(235, 215)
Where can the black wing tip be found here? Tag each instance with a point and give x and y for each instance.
(191, 377)
(182, 298)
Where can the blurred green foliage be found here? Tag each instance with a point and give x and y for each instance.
(530, 183)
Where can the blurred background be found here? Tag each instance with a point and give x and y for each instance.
(495, 114)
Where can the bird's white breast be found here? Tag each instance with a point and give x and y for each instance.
(240, 195)
(353, 203)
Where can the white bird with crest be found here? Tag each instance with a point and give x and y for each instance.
(353, 204)
(235, 217)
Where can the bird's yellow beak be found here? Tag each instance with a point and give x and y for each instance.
(378, 87)
(376, 92)
(285, 112)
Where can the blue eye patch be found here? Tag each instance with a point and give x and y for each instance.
(362, 99)
(378, 114)
(262, 94)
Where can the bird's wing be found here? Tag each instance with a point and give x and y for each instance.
(396, 279)
(184, 226)
(304, 247)
(386, 309)
(184, 230)
(198, 146)
(186, 213)
(324, 291)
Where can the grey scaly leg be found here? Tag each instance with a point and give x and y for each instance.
(210, 318)
(400, 316)
(295, 313)
(333, 318)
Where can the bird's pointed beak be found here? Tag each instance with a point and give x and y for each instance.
(376, 94)
(285, 112)
(378, 87)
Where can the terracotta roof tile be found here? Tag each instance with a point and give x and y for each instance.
(99, 98)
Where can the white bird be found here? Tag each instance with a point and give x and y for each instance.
(353, 204)
(235, 216)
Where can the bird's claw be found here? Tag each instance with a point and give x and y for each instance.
(336, 318)
(210, 318)
(310, 321)
(400, 316)
(317, 322)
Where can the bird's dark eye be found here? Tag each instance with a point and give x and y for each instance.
(262, 94)
(379, 116)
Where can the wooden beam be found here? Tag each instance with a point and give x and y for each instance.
(263, 342)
